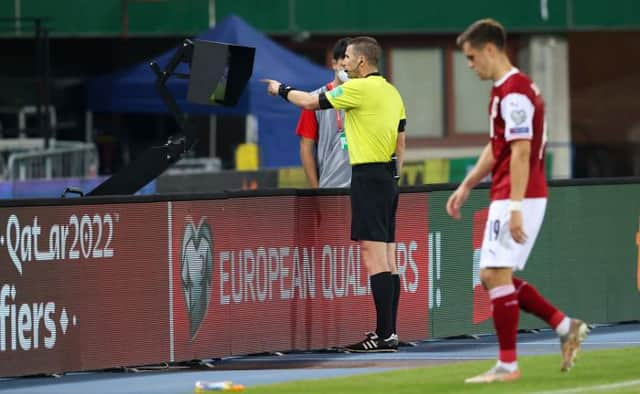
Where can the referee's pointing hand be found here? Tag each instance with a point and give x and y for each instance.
(272, 86)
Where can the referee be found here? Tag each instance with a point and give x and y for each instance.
(374, 126)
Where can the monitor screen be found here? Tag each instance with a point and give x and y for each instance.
(219, 72)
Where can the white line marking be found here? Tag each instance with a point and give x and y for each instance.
(585, 343)
(170, 258)
(554, 343)
(602, 387)
(364, 357)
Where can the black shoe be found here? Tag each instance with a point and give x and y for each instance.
(373, 344)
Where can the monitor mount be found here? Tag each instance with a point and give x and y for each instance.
(219, 74)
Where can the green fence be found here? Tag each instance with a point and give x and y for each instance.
(188, 17)
(108, 17)
(585, 258)
(381, 16)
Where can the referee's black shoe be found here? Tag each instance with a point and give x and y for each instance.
(372, 343)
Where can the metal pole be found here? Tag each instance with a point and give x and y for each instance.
(18, 12)
(49, 132)
(39, 75)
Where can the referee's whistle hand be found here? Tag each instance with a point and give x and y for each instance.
(272, 86)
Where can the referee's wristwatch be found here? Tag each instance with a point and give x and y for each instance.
(283, 91)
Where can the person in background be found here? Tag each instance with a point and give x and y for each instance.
(323, 153)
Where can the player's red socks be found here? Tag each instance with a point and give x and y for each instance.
(532, 302)
(506, 312)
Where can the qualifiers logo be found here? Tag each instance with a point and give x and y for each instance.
(27, 324)
(196, 267)
(481, 301)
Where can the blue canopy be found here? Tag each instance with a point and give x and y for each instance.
(133, 89)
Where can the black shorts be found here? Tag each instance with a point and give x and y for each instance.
(374, 201)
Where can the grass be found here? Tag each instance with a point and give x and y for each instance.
(539, 374)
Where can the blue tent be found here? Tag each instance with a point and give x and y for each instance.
(133, 90)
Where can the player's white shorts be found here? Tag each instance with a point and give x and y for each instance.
(498, 247)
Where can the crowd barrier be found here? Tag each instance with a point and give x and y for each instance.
(93, 283)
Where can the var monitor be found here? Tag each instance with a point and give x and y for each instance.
(219, 72)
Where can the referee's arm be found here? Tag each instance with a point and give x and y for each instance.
(298, 98)
(304, 100)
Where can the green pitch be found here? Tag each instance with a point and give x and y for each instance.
(610, 371)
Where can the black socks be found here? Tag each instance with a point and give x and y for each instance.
(382, 287)
(396, 299)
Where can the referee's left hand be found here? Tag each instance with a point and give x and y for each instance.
(272, 86)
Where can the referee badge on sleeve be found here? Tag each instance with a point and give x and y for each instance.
(336, 92)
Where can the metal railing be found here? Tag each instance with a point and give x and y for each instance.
(65, 159)
(195, 165)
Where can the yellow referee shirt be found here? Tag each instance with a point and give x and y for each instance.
(373, 114)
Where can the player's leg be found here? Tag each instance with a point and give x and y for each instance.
(571, 331)
(505, 312)
(530, 299)
(498, 257)
(533, 302)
